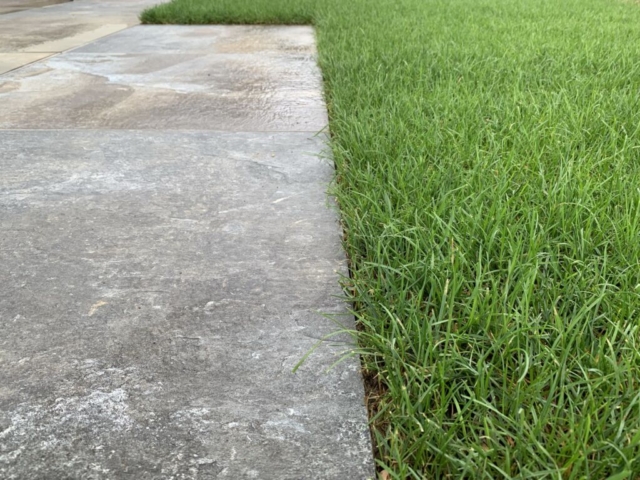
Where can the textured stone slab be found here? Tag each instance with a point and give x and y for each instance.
(67, 25)
(10, 61)
(157, 290)
(4, 10)
(160, 277)
(72, 41)
(208, 39)
(224, 91)
(11, 6)
(29, 3)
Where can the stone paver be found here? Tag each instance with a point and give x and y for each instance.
(167, 249)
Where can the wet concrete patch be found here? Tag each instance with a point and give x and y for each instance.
(72, 41)
(4, 10)
(208, 39)
(158, 289)
(66, 25)
(9, 6)
(29, 3)
(248, 92)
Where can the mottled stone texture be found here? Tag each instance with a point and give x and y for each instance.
(36, 29)
(224, 78)
(160, 278)
(10, 6)
(157, 291)
(28, 32)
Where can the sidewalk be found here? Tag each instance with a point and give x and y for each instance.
(10, 6)
(166, 252)
(36, 33)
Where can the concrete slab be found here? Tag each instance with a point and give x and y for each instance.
(10, 6)
(10, 61)
(4, 10)
(225, 91)
(72, 41)
(157, 290)
(29, 3)
(59, 27)
(161, 277)
(208, 39)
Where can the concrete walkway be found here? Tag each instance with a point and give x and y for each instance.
(32, 34)
(10, 6)
(166, 247)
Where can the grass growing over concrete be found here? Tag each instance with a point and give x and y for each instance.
(488, 156)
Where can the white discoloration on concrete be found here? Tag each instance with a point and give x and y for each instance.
(46, 427)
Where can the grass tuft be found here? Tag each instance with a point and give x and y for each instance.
(488, 162)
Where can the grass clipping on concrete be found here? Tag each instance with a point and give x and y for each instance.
(488, 156)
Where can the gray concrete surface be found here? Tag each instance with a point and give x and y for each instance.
(29, 3)
(9, 6)
(166, 250)
(60, 27)
(232, 80)
(11, 61)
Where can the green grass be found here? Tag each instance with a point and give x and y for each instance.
(488, 172)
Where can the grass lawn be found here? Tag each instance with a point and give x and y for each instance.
(488, 172)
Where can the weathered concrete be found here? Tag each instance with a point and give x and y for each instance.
(11, 61)
(29, 3)
(36, 30)
(8, 6)
(160, 278)
(207, 39)
(136, 85)
(4, 10)
(158, 289)
(72, 41)
(64, 25)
